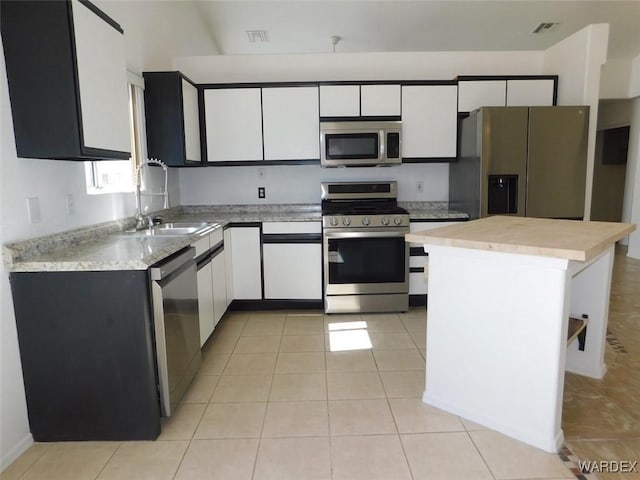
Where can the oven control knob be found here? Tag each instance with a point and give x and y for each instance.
(397, 220)
(385, 220)
(346, 221)
(366, 221)
(333, 221)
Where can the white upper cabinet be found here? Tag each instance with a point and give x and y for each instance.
(534, 92)
(102, 79)
(67, 77)
(339, 100)
(233, 118)
(429, 121)
(191, 121)
(474, 94)
(380, 100)
(291, 123)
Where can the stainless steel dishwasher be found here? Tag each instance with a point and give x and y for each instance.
(177, 330)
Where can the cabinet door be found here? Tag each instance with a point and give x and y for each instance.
(102, 79)
(291, 123)
(524, 93)
(474, 94)
(191, 121)
(429, 121)
(292, 271)
(219, 286)
(339, 100)
(205, 303)
(380, 100)
(419, 280)
(228, 258)
(245, 258)
(233, 118)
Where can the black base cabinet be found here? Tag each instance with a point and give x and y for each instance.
(87, 355)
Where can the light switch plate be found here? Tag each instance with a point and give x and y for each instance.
(33, 209)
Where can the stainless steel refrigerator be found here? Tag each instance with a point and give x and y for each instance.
(526, 161)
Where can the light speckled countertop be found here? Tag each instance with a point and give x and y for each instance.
(107, 247)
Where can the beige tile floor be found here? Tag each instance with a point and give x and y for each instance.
(601, 418)
(273, 401)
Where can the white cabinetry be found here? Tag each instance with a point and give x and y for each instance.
(233, 118)
(474, 94)
(291, 123)
(102, 81)
(339, 100)
(191, 116)
(380, 100)
(512, 92)
(219, 284)
(429, 121)
(212, 282)
(245, 263)
(418, 281)
(535, 92)
(205, 302)
(292, 253)
(67, 76)
(360, 100)
(228, 258)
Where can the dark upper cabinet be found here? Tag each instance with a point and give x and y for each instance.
(67, 77)
(173, 119)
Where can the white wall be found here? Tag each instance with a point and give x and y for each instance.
(301, 183)
(615, 78)
(578, 60)
(631, 208)
(357, 66)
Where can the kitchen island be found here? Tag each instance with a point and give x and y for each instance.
(501, 293)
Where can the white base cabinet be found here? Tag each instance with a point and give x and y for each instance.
(205, 302)
(245, 263)
(292, 258)
(419, 281)
(219, 284)
(292, 271)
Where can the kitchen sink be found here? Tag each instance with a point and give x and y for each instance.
(175, 229)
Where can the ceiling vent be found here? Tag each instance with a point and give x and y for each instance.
(257, 36)
(544, 27)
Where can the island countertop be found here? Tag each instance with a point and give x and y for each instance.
(566, 239)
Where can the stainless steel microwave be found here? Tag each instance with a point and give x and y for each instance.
(360, 144)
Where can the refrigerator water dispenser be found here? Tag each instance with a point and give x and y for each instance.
(503, 194)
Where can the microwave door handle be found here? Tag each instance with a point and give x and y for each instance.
(383, 145)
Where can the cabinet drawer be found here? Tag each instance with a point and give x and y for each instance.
(291, 227)
(201, 245)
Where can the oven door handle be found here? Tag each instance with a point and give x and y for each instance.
(365, 234)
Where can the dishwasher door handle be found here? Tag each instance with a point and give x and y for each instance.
(168, 266)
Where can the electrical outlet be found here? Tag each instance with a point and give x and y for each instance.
(33, 209)
(71, 204)
(420, 187)
(261, 192)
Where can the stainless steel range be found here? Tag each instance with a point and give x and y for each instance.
(366, 260)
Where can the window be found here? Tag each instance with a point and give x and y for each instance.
(119, 176)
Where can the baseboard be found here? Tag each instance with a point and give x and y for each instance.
(249, 305)
(17, 450)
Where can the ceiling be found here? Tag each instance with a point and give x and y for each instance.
(305, 26)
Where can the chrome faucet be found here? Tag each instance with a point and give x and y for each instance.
(140, 218)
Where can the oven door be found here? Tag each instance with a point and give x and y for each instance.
(365, 261)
